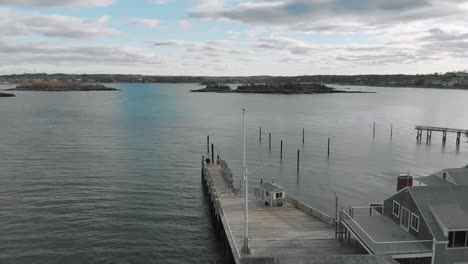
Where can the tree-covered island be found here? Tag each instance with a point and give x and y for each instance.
(274, 88)
(61, 86)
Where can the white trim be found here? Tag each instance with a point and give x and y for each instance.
(393, 208)
(409, 218)
(409, 255)
(411, 222)
(457, 230)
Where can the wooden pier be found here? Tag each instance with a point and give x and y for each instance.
(293, 233)
(444, 131)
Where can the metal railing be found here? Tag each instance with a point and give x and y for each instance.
(382, 247)
(310, 210)
(367, 210)
(227, 174)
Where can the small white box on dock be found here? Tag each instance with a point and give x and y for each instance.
(272, 194)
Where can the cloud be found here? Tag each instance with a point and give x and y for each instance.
(210, 48)
(437, 34)
(19, 23)
(59, 3)
(25, 53)
(152, 23)
(159, 2)
(185, 24)
(332, 15)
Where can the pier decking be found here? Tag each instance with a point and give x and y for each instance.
(444, 130)
(284, 234)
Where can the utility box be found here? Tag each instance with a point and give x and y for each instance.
(272, 194)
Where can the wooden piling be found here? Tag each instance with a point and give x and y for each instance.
(260, 135)
(374, 131)
(207, 144)
(391, 131)
(298, 154)
(328, 153)
(212, 153)
(269, 141)
(281, 150)
(303, 136)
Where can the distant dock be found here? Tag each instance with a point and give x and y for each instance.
(292, 233)
(444, 130)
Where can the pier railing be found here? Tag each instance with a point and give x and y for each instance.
(227, 174)
(311, 211)
(391, 247)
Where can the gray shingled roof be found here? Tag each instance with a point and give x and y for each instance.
(451, 216)
(432, 198)
(272, 187)
(433, 180)
(459, 175)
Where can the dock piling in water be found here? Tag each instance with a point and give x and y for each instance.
(269, 141)
(391, 131)
(207, 144)
(303, 136)
(373, 135)
(298, 154)
(260, 135)
(281, 150)
(328, 152)
(212, 153)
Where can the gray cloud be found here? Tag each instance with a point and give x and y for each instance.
(147, 22)
(58, 3)
(437, 34)
(18, 23)
(333, 15)
(14, 52)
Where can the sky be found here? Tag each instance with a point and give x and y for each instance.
(233, 37)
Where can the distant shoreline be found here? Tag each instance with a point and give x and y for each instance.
(406, 86)
(56, 86)
(283, 88)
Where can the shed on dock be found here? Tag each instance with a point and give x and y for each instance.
(273, 195)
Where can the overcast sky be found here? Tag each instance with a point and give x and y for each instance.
(233, 37)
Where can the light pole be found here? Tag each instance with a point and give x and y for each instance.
(245, 248)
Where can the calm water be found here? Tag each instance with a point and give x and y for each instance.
(103, 177)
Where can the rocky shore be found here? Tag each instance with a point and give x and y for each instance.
(56, 86)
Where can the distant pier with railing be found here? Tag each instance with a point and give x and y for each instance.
(444, 130)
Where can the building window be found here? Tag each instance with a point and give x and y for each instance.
(267, 193)
(396, 209)
(405, 218)
(458, 239)
(415, 222)
(279, 195)
(444, 175)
